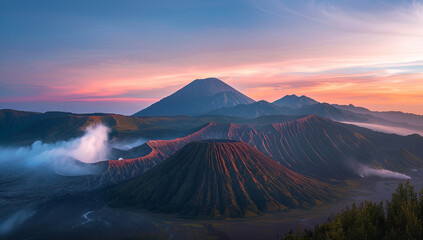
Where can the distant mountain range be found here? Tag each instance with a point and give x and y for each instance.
(19, 127)
(263, 108)
(220, 178)
(252, 110)
(293, 101)
(211, 97)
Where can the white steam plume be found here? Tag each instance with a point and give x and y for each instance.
(63, 157)
(364, 171)
(387, 129)
(128, 144)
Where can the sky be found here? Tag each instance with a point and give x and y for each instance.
(121, 56)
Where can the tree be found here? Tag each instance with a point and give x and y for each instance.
(401, 218)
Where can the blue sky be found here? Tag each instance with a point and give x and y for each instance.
(121, 56)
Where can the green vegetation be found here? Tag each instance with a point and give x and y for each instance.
(400, 218)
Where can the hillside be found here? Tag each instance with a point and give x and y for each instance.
(220, 178)
(311, 145)
(397, 218)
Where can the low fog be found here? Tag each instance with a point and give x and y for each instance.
(71, 157)
(387, 129)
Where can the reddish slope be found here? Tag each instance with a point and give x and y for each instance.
(318, 146)
(154, 152)
(220, 178)
(311, 145)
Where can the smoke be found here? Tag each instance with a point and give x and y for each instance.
(128, 144)
(364, 171)
(387, 129)
(71, 157)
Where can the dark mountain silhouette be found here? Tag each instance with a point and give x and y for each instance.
(263, 108)
(220, 178)
(253, 110)
(293, 101)
(198, 97)
(328, 111)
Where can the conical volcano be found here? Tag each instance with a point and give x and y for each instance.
(199, 97)
(220, 178)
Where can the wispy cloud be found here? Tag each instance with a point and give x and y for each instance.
(367, 53)
(402, 18)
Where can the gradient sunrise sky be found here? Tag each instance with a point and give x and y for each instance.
(121, 56)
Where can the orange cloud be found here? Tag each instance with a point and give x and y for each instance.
(367, 59)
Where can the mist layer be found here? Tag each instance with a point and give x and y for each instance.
(71, 157)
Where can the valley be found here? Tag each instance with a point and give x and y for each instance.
(70, 217)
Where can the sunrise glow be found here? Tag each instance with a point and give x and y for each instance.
(366, 54)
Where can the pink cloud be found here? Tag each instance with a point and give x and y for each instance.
(348, 57)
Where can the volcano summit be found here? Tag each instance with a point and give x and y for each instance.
(199, 97)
